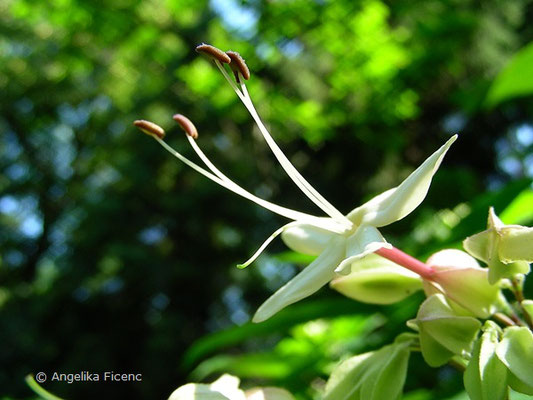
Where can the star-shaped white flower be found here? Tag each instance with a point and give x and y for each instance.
(338, 239)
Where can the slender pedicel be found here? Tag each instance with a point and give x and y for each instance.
(213, 52)
(238, 65)
(150, 128)
(405, 260)
(291, 171)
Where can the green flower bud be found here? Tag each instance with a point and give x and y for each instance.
(443, 332)
(516, 351)
(376, 280)
(376, 375)
(506, 249)
(485, 377)
(459, 277)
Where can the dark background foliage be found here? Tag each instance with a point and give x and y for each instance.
(115, 257)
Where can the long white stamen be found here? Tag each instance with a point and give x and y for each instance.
(265, 244)
(297, 215)
(333, 212)
(293, 173)
(224, 181)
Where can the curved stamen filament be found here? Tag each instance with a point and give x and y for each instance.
(293, 173)
(265, 244)
(224, 181)
(333, 212)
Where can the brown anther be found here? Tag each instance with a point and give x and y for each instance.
(150, 128)
(186, 124)
(213, 52)
(238, 65)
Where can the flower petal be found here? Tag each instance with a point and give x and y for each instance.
(306, 239)
(228, 385)
(396, 203)
(196, 391)
(268, 393)
(224, 388)
(365, 240)
(307, 282)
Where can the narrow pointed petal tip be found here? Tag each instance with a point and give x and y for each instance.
(186, 124)
(238, 65)
(213, 52)
(395, 204)
(149, 128)
(308, 281)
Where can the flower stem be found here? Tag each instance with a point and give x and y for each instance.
(406, 261)
(504, 319)
(519, 295)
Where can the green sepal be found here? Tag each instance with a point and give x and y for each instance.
(443, 333)
(516, 351)
(518, 385)
(469, 288)
(485, 377)
(506, 249)
(375, 375)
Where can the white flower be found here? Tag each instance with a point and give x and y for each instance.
(338, 239)
(227, 388)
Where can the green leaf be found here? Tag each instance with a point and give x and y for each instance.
(515, 80)
(280, 323)
(520, 210)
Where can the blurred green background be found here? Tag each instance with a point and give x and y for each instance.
(116, 257)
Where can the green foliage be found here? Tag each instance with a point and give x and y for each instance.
(113, 256)
(515, 80)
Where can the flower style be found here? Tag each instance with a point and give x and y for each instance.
(338, 240)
